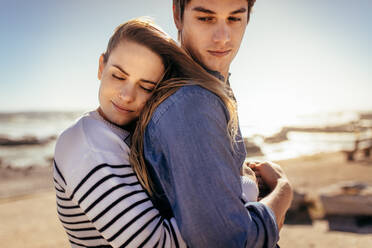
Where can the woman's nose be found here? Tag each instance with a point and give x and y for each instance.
(127, 92)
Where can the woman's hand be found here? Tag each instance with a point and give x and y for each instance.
(280, 192)
(267, 173)
(248, 172)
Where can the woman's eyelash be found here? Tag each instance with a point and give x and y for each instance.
(146, 89)
(120, 78)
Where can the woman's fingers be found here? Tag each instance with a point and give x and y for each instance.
(248, 172)
(260, 181)
(252, 164)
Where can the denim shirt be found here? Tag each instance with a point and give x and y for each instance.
(196, 173)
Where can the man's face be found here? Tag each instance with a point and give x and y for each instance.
(212, 30)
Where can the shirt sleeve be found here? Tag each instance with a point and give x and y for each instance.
(101, 200)
(249, 188)
(192, 156)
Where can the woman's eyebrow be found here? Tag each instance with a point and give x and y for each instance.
(121, 69)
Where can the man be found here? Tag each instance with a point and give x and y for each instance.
(187, 147)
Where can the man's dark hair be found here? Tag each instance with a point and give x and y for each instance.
(180, 5)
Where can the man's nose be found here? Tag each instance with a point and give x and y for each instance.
(221, 33)
(127, 92)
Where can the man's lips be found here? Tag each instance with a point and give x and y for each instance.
(121, 109)
(219, 53)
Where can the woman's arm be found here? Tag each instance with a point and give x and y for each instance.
(99, 198)
(112, 200)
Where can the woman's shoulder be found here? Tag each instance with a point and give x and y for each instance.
(90, 141)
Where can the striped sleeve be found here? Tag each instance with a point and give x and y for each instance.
(111, 198)
(100, 201)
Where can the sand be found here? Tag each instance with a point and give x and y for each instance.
(28, 213)
(311, 174)
(31, 221)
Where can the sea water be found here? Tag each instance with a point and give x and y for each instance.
(42, 125)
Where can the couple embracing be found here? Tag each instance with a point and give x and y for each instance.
(160, 162)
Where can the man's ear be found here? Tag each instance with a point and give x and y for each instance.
(177, 18)
(101, 66)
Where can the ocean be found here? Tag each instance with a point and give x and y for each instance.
(28, 138)
(41, 128)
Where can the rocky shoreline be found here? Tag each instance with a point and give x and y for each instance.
(28, 140)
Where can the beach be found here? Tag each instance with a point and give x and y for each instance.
(28, 212)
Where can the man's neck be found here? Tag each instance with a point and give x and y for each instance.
(225, 75)
(221, 75)
(218, 75)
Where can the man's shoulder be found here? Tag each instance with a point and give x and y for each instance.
(187, 98)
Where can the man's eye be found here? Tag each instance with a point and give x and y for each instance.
(234, 19)
(117, 77)
(205, 19)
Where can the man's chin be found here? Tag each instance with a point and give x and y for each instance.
(221, 67)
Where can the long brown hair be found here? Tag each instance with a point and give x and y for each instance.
(180, 71)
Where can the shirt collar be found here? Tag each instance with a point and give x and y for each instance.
(124, 133)
(219, 76)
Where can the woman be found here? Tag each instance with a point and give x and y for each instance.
(100, 201)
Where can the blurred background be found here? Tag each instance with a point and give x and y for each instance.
(302, 79)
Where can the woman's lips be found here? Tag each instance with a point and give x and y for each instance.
(122, 109)
(219, 53)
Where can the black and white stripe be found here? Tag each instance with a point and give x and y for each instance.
(102, 204)
(119, 216)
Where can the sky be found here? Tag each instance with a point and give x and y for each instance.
(297, 56)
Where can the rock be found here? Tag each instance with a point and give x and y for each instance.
(355, 224)
(298, 212)
(298, 200)
(347, 198)
(350, 127)
(25, 140)
(278, 137)
(251, 148)
(365, 116)
(50, 159)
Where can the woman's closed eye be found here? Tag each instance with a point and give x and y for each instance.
(118, 77)
(148, 87)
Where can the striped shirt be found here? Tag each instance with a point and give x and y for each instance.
(100, 201)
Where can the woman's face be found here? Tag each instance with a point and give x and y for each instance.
(127, 81)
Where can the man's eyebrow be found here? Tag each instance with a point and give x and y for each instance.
(121, 69)
(208, 11)
(204, 10)
(238, 11)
